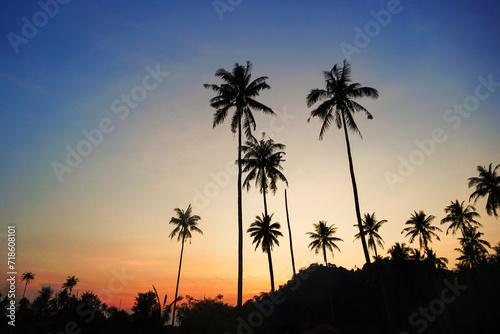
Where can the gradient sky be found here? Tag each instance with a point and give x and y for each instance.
(109, 216)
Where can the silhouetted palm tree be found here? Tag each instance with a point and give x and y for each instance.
(70, 284)
(437, 262)
(290, 235)
(27, 277)
(238, 92)
(185, 223)
(460, 217)
(262, 162)
(420, 226)
(339, 107)
(487, 184)
(473, 248)
(266, 234)
(370, 229)
(399, 252)
(416, 255)
(323, 238)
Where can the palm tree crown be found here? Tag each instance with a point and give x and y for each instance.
(70, 283)
(473, 248)
(370, 228)
(185, 223)
(238, 92)
(323, 238)
(487, 184)
(460, 217)
(400, 252)
(262, 162)
(420, 226)
(339, 106)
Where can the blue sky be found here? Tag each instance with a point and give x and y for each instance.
(120, 198)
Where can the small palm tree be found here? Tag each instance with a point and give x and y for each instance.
(460, 217)
(473, 248)
(323, 239)
(487, 184)
(400, 252)
(262, 162)
(420, 226)
(185, 223)
(238, 92)
(70, 284)
(266, 234)
(339, 107)
(437, 262)
(370, 229)
(27, 277)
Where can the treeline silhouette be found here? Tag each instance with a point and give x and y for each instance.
(419, 296)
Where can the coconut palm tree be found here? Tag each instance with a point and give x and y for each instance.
(370, 229)
(323, 239)
(460, 217)
(400, 252)
(437, 262)
(290, 235)
(238, 92)
(185, 223)
(266, 234)
(339, 107)
(262, 162)
(487, 184)
(70, 284)
(27, 277)
(473, 248)
(420, 226)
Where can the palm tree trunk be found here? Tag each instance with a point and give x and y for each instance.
(25, 288)
(375, 250)
(355, 190)
(290, 234)
(265, 202)
(178, 278)
(324, 255)
(240, 224)
(270, 268)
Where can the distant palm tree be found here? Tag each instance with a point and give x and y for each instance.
(70, 284)
(416, 254)
(27, 277)
(185, 223)
(266, 234)
(399, 252)
(420, 226)
(473, 248)
(370, 229)
(323, 238)
(339, 107)
(460, 217)
(438, 262)
(238, 92)
(262, 162)
(487, 184)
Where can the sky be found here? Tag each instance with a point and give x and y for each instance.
(121, 82)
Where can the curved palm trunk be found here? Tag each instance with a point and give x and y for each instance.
(270, 268)
(25, 288)
(290, 234)
(375, 250)
(324, 255)
(177, 287)
(240, 224)
(265, 202)
(355, 190)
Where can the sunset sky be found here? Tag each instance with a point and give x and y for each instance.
(435, 65)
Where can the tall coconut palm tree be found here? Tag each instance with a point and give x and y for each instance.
(238, 92)
(323, 239)
(487, 184)
(420, 226)
(400, 252)
(339, 107)
(473, 248)
(460, 217)
(262, 162)
(27, 277)
(266, 234)
(70, 284)
(185, 223)
(370, 229)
